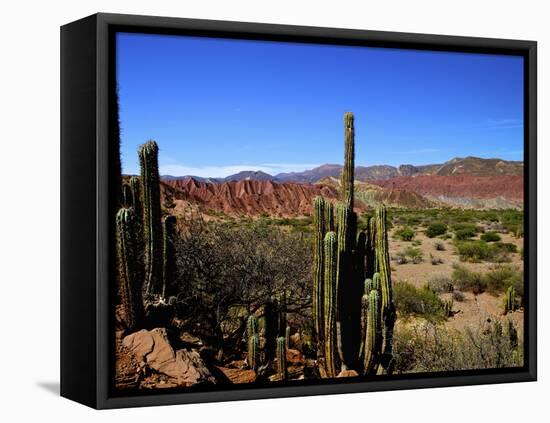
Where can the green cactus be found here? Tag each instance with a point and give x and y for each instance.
(370, 254)
(253, 356)
(349, 161)
(347, 288)
(382, 256)
(168, 256)
(376, 282)
(329, 217)
(129, 270)
(319, 210)
(359, 257)
(373, 332)
(251, 326)
(126, 199)
(152, 230)
(330, 303)
(281, 358)
(136, 196)
(510, 300)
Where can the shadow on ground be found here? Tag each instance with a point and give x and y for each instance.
(51, 387)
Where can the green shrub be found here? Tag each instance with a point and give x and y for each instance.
(405, 234)
(433, 348)
(436, 229)
(467, 280)
(440, 284)
(490, 237)
(415, 254)
(504, 247)
(464, 234)
(501, 277)
(419, 302)
(474, 251)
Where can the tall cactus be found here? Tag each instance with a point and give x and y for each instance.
(373, 332)
(349, 160)
(510, 300)
(330, 343)
(152, 231)
(382, 265)
(370, 254)
(318, 265)
(348, 299)
(136, 196)
(129, 271)
(253, 356)
(281, 358)
(168, 256)
(126, 199)
(329, 217)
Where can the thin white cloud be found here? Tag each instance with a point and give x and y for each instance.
(176, 169)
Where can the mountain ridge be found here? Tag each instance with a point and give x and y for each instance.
(470, 165)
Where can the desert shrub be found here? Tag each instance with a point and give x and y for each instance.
(440, 284)
(469, 226)
(415, 254)
(458, 296)
(464, 234)
(468, 280)
(435, 260)
(490, 237)
(504, 247)
(474, 251)
(436, 229)
(433, 348)
(405, 234)
(501, 277)
(439, 246)
(401, 258)
(420, 302)
(416, 242)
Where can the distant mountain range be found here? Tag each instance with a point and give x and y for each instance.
(473, 166)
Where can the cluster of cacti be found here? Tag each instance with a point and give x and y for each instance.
(281, 358)
(129, 269)
(253, 356)
(140, 226)
(353, 308)
(510, 300)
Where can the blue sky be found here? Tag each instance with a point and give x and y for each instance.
(219, 106)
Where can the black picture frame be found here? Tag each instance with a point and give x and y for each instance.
(87, 95)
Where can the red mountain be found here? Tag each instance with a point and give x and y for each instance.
(508, 187)
(248, 197)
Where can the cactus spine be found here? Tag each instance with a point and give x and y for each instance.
(168, 256)
(128, 267)
(281, 358)
(331, 257)
(319, 210)
(152, 231)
